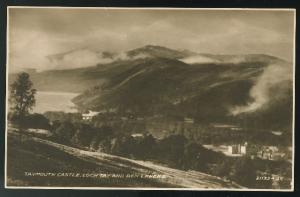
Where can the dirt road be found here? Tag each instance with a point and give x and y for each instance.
(166, 175)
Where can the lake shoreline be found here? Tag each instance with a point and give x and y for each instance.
(54, 101)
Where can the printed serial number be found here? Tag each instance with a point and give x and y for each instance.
(269, 178)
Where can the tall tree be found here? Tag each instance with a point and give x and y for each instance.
(22, 95)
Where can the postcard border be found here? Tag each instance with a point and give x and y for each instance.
(152, 188)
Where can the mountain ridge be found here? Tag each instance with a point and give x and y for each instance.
(92, 57)
(159, 81)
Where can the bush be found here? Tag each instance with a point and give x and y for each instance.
(192, 159)
(64, 132)
(145, 148)
(171, 150)
(222, 168)
(83, 135)
(123, 145)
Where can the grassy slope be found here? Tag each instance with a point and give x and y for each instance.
(25, 155)
(28, 154)
(164, 80)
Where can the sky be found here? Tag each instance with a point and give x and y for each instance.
(35, 33)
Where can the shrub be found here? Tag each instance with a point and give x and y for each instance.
(123, 145)
(64, 132)
(171, 150)
(83, 135)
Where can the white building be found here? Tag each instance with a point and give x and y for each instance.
(90, 115)
(137, 135)
(237, 149)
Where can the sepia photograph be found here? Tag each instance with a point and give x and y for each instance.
(150, 98)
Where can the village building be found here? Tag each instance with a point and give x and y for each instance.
(237, 149)
(276, 133)
(137, 135)
(270, 153)
(266, 154)
(189, 120)
(236, 129)
(89, 115)
(217, 125)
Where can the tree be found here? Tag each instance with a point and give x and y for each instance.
(191, 156)
(64, 132)
(171, 149)
(84, 135)
(145, 148)
(36, 121)
(22, 94)
(244, 172)
(123, 145)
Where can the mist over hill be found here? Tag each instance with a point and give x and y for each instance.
(251, 89)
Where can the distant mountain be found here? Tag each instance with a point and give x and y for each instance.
(87, 57)
(159, 52)
(151, 80)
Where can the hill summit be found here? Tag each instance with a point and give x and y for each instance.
(155, 80)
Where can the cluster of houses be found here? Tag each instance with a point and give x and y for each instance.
(239, 150)
(265, 152)
(233, 150)
(270, 153)
(90, 114)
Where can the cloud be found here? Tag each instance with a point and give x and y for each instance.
(86, 57)
(200, 59)
(30, 48)
(263, 92)
(37, 33)
(77, 59)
